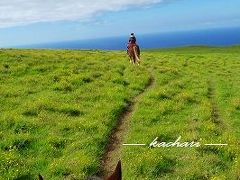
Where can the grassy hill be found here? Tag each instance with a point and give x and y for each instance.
(58, 108)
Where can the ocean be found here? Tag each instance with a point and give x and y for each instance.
(207, 37)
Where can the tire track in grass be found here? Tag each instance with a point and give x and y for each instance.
(225, 156)
(112, 151)
(215, 115)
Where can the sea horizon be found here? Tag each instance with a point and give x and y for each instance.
(204, 37)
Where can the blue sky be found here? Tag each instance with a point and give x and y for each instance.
(32, 21)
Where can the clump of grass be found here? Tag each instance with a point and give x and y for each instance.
(186, 97)
(64, 86)
(121, 81)
(71, 112)
(236, 104)
(22, 144)
(23, 127)
(87, 80)
(6, 66)
(25, 177)
(166, 165)
(30, 112)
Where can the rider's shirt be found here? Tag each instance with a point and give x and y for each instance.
(132, 40)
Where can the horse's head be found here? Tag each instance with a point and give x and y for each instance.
(116, 175)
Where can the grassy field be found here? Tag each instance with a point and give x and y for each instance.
(58, 108)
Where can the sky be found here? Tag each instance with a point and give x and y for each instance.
(24, 22)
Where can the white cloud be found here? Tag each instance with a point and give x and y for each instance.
(21, 12)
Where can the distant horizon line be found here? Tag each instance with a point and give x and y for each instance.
(140, 34)
(95, 49)
(34, 46)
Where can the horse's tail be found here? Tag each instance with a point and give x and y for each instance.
(138, 50)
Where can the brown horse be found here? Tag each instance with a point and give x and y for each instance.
(116, 175)
(134, 53)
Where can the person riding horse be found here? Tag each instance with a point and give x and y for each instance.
(131, 47)
(132, 39)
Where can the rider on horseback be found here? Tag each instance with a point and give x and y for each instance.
(133, 50)
(132, 42)
(132, 39)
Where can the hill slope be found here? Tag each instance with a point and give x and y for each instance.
(58, 108)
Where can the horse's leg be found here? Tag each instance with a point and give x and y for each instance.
(135, 50)
(131, 59)
(129, 56)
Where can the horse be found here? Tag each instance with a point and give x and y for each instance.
(134, 53)
(116, 175)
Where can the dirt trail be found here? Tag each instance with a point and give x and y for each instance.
(112, 153)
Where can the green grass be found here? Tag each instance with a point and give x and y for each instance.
(196, 95)
(59, 106)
